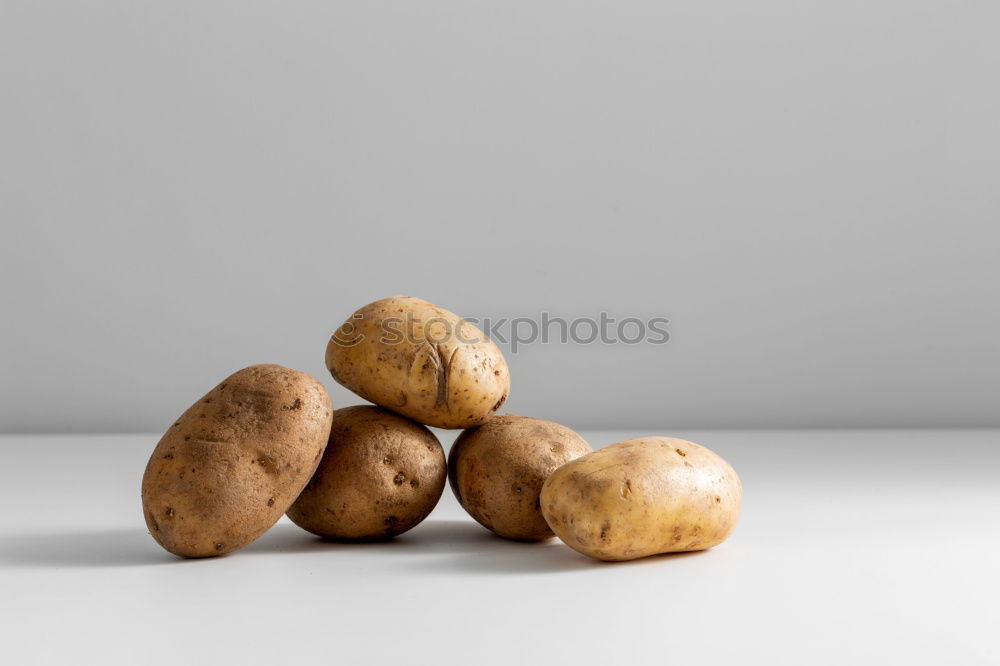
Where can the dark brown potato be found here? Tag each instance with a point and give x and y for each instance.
(224, 473)
(380, 476)
(497, 470)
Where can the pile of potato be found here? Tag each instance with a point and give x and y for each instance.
(267, 441)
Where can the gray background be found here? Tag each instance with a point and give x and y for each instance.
(807, 189)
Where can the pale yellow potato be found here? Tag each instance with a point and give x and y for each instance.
(643, 497)
(497, 469)
(234, 462)
(416, 359)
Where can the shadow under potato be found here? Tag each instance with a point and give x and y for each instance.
(492, 554)
(66, 549)
(135, 547)
(465, 547)
(433, 536)
(474, 549)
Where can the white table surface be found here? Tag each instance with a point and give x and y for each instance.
(853, 547)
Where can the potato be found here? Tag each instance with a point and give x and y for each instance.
(420, 361)
(235, 461)
(380, 476)
(642, 497)
(496, 471)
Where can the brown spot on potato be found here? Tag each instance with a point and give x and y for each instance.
(399, 479)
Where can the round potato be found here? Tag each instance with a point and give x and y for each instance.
(420, 361)
(642, 497)
(381, 475)
(235, 461)
(496, 471)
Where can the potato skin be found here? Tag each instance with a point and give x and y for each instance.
(496, 471)
(380, 476)
(231, 465)
(643, 497)
(421, 361)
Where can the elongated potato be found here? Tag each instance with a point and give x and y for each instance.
(642, 497)
(497, 470)
(421, 361)
(380, 476)
(234, 462)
